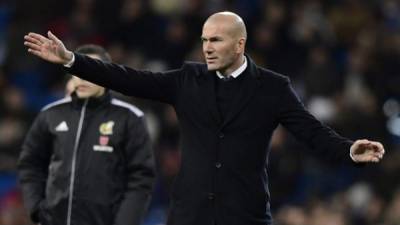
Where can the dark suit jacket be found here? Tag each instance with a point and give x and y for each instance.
(223, 178)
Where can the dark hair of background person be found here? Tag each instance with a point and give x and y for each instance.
(88, 49)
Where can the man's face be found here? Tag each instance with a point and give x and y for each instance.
(219, 47)
(86, 89)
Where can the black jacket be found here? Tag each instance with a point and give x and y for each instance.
(223, 178)
(87, 162)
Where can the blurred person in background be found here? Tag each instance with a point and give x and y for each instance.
(227, 109)
(392, 214)
(12, 210)
(87, 158)
(13, 126)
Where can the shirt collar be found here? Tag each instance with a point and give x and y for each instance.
(237, 72)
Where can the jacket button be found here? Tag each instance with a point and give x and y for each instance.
(218, 165)
(211, 196)
(221, 135)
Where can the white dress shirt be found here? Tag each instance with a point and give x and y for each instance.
(235, 73)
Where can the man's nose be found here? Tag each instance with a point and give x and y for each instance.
(208, 47)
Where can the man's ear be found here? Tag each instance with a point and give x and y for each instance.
(241, 44)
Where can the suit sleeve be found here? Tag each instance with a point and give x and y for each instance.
(140, 174)
(306, 128)
(33, 165)
(162, 87)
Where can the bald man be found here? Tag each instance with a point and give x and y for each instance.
(228, 109)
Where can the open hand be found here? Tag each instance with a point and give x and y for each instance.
(367, 151)
(49, 48)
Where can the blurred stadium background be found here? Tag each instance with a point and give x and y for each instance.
(343, 57)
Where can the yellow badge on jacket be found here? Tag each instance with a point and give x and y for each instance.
(107, 128)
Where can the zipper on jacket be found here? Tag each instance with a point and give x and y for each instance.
(73, 164)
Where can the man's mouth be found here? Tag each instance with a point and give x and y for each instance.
(211, 59)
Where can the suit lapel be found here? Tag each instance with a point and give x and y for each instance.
(248, 87)
(208, 98)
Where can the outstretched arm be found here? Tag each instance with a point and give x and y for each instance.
(161, 86)
(307, 128)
